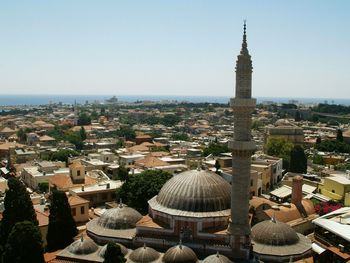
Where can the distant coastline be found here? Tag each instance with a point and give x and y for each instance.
(17, 100)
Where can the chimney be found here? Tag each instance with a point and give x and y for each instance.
(297, 190)
(108, 186)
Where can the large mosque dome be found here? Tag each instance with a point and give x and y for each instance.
(196, 191)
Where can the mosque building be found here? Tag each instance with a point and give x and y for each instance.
(202, 211)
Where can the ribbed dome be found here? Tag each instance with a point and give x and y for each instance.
(120, 217)
(180, 254)
(274, 233)
(82, 246)
(123, 249)
(143, 255)
(196, 191)
(217, 259)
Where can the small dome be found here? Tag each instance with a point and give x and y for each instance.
(196, 191)
(120, 217)
(143, 255)
(217, 259)
(123, 249)
(82, 246)
(274, 233)
(180, 254)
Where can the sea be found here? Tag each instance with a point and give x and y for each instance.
(33, 100)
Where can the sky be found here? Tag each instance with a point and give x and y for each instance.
(167, 47)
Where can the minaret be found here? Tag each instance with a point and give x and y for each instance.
(242, 148)
(76, 114)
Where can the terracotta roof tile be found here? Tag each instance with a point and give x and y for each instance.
(150, 161)
(76, 200)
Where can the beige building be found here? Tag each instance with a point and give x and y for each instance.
(97, 194)
(265, 173)
(77, 172)
(80, 208)
(336, 188)
(285, 130)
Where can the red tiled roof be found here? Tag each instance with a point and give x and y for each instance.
(76, 200)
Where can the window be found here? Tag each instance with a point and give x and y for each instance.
(78, 173)
(251, 182)
(74, 212)
(82, 210)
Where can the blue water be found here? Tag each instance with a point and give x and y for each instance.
(12, 100)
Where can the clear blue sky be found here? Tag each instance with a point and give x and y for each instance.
(179, 47)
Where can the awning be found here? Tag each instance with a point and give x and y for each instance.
(317, 248)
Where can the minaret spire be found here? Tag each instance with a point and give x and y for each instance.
(244, 50)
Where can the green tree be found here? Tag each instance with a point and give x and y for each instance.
(298, 160)
(74, 138)
(138, 189)
(297, 116)
(279, 147)
(62, 155)
(113, 254)
(94, 115)
(84, 119)
(340, 135)
(170, 119)
(180, 136)
(82, 133)
(18, 208)
(317, 159)
(62, 228)
(22, 135)
(318, 140)
(126, 132)
(43, 187)
(257, 125)
(24, 244)
(333, 146)
(122, 173)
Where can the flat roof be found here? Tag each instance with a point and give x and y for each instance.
(98, 187)
(337, 222)
(339, 179)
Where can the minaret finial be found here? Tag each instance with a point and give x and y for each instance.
(244, 49)
(273, 218)
(244, 27)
